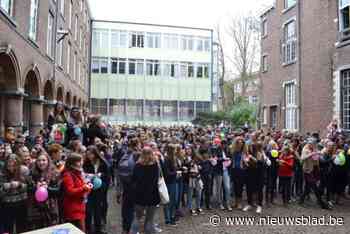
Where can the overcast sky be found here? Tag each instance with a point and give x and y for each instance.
(192, 13)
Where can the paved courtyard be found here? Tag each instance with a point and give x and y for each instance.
(201, 225)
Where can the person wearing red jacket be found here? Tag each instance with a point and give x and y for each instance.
(285, 172)
(75, 191)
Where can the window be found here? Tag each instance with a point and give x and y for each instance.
(190, 72)
(183, 70)
(344, 19)
(123, 39)
(76, 27)
(289, 42)
(152, 67)
(264, 115)
(99, 106)
(74, 65)
(78, 77)
(60, 53)
(345, 75)
(199, 71)
(202, 107)
(99, 65)
(291, 107)
(114, 39)
(121, 66)
(68, 58)
(62, 7)
(134, 109)
(104, 66)
(7, 5)
(49, 35)
(289, 3)
(273, 118)
(202, 70)
(152, 110)
(81, 5)
(132, 66)
(70, 15)
(117, 107)
(264, 63)
(170, 69)
(137, 39)
(264, 28)
(153, 40)
(169, 110)
(139, 67)
(171, 41)
(33, 21)
(253, 99)
(207, 45)
(186, 111)
(114, 66)
(199, 45)
(81, 38)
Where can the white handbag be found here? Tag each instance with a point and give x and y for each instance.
(162, 188)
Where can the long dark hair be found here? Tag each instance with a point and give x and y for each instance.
(17, 174)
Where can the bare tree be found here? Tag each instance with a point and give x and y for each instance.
(221, 64)
(245, 38)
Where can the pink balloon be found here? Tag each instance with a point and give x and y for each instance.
(41, 194)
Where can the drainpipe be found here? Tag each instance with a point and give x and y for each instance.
(55, 43)
(299, 67)
(89, 65)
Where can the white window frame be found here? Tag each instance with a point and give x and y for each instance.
(49, 38)
(265, 115)
(289, 45)
(9, 6)
(291, 107)
(68, 57)
(74, 65)
(341, 6)
(70, 22)
(76, 27)
(264, 63)
(287, 6)
(264, 28)
(33, 20)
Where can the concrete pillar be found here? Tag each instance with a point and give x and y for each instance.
(14, 111)
(36, 116)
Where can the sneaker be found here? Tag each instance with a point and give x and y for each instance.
(193, 212)
(259, 210)
(229, 208)
(173, 224)
(222, 207)
(239, 206)
(331, 204)
(199, 211)
(157, 230)
(247, 208)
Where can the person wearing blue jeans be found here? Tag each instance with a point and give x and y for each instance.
(198, 195)
(170, 208)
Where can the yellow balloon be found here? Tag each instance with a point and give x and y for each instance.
(274, 153)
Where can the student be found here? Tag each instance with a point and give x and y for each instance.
(311, 169)
(96, 166)
(238, 149)
(43, 173)
(145, 181)
(206, 176)
(14, 185)
(170, 172)
(195, 185)
(75, 191)
(285, 173)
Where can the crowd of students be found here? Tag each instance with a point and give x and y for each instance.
(64, 173)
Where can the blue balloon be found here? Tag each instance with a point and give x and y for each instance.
(77, 131)
(97, 183)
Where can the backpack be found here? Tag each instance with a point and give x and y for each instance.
(126, 166)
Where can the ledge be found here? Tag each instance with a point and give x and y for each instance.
(288, 9)
(289, 63)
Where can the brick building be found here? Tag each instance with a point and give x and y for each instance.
(305, 65)
(44, 58)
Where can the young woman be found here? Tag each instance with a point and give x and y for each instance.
(326, 166)
(206, 176)
(14, 185)
(195, 185)
(255, 162)
(170, 172)
(43, 173)
(145, 182)
(58, 116)
(95, 165)
(285, 173)
(237, 150)
(75, 191)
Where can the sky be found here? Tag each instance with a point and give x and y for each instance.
(191, 13)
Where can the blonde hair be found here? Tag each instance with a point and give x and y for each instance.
(147, 157)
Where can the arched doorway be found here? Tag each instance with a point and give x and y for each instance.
(75, 101)
(68, 100)
(59, 96)
(49, 99)
(11, 99)
(32, 104)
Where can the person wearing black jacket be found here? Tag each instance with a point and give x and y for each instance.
(95, 165)
(206, 170)
(170, 173)
(96, 130)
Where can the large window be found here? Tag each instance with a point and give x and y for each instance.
(346, 99)
(202, 107)
(117, 108)
(289, 42)
(171, 41)
(264, 63)
(289, 3)
(291, 106)
(200, 44)
(7, 6)
(62, 7)
(99, 65)
(33, 20)
(68, 57)
(49, 35)
(186, 42)
(186, 111)
(344, 19)
(202, 70)
(118, 66)
(70, 14)
(153, 40)
(169, 110)
(100, 38)
(132, 66)
(99, 106)
(170, 69)
(134, 109)
(273, 117)
(60, 53)
(152, 110)
(119, 39)
(264, 28)
(152, 67)
(76, 27)
(137, 39)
